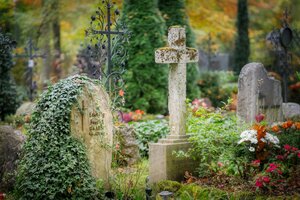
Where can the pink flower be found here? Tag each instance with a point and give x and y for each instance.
(287, 147)
(280, 157)
(294, 149)
(126, 117)
(220, 164)
(196, 102)
(258, 183)
(266, 179)
(298, 154)
(117, 146)
(255, 163)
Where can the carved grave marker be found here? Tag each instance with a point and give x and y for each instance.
(92, 122)
(258, 93)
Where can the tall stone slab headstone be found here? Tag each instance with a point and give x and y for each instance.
(92, 122)
(163, 163)
(258, 93)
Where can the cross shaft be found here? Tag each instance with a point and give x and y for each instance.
(30, 54)
(177, 55)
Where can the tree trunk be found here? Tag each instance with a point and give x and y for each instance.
(45, 36)
(56, 39)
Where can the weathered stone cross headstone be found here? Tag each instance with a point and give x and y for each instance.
(163, 163)
(177, 55)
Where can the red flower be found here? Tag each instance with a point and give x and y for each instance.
(298, 154)
(258, 183)
(259, 117)
(287, 147)
(280, 157)
(272, 167)
(266, 179)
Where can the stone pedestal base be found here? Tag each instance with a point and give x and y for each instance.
(164, 165)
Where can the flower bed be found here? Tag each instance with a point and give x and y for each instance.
(245, 157)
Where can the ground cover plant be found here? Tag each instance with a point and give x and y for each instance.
(150, 132)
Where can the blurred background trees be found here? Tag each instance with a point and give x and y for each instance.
(146, 81)
(242, 48)
(58, 27)
(174, 13)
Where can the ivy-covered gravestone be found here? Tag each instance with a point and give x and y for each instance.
(69, 141)
(92, 123)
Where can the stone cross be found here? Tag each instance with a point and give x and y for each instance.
(177, 55)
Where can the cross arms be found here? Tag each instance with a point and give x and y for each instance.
(168, 55)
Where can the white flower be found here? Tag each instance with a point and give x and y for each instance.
(271, 138)
(248, 135)
(253, 140)
(251, 149)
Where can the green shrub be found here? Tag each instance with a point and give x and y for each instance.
(14, 120)
(214, 136)
(289, 136)
(54, 164)
(149, 131)
(217, 86)
(8, 94)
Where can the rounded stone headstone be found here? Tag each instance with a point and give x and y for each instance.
(25, 109)
(290, 110)
(258, 93)
(92, 122)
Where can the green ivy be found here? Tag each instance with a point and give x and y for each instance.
(54, 164)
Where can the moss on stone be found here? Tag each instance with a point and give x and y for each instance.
(167, 185)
